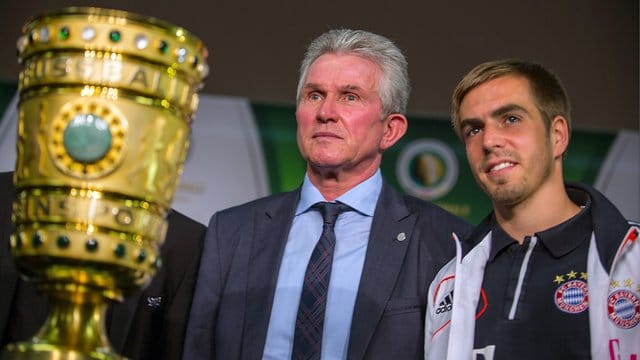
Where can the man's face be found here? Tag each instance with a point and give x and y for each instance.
(508, 149)
(339, 114)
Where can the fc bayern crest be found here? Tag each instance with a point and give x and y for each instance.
(572, 297)
(624, 309)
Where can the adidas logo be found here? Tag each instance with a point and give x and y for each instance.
(446, 304)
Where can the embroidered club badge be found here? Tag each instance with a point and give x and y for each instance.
(572, 297)
(624, 308)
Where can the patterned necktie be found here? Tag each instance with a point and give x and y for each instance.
(307, 342)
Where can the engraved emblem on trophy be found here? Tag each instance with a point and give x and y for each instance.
(106, 103)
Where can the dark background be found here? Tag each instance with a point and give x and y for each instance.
(255, 47)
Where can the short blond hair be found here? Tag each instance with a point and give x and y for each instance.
(549, 94)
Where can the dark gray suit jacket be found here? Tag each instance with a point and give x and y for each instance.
(150, 324)
(241, 259)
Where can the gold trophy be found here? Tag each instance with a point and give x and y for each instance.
(106, 102)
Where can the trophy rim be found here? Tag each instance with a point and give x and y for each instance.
(145, 20)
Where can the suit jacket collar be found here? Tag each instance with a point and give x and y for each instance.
(392, 225)
(271, 224)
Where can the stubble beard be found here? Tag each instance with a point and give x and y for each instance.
(508, 192)
(505, 193)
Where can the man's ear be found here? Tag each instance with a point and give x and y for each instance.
(395, 126)
(559, 134)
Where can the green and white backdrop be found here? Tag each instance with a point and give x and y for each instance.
(242, 150)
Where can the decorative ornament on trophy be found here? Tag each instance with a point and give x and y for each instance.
(106, 102)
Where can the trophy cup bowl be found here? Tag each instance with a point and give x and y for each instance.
(106, 102)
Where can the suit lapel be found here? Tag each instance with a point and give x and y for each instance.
(385, 254)
(271, 227)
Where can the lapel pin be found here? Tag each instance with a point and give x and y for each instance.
(154, 301)
(401, 237)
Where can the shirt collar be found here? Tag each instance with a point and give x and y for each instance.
(499, 239)
(563, 238)
(362, 198)
(560, 239)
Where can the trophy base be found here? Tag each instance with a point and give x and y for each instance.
(35, 350)
(74, 330)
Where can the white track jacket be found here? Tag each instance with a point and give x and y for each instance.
(450, 330)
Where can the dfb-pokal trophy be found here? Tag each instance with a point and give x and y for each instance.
(106, 103)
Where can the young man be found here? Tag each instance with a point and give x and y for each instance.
(254, 270)
(554, 271)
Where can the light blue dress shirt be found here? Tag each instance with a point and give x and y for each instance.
(352, 235)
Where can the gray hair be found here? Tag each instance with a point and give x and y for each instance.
(394, 87)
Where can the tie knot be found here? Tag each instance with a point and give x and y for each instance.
(330, 210)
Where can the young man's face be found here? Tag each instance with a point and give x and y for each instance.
(508, 148)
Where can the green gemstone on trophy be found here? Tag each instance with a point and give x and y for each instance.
(119, 251)
(91, 245)
(87, 138)
(63, 242)
(163, 47)
(36, 240)
(115, 36)
(63, 33)
(142, 255)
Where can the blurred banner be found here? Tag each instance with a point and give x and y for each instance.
(241, 150)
